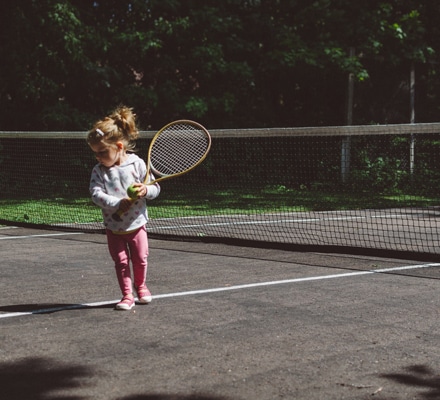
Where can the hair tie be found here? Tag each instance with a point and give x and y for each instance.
(99, 132)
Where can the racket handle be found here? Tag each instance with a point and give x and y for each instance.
(118, 214)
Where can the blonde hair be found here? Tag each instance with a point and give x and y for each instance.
(119, 126)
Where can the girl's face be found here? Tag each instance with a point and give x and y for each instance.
(109, 155)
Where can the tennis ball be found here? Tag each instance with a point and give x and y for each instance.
(132, 192)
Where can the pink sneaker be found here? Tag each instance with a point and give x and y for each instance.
(127, 303)
(144, 295)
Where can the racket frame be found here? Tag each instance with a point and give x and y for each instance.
(150, 170)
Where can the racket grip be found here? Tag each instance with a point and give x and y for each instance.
(117, 216)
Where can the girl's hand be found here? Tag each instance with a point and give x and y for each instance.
(141, 188)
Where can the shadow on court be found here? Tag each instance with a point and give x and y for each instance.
(49, 308)
(419, 376)
(40, 379)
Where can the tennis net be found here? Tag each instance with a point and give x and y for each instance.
(359, 187)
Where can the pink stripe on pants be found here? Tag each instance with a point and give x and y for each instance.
(132, 246)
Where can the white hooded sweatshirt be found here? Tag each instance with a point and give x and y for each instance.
(109, 185)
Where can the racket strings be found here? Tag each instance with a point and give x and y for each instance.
(178, 149)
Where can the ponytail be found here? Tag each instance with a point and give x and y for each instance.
(125, 120)
(119, 126)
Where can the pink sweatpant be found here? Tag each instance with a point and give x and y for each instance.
(132, 246)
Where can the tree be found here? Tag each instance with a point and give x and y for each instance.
(41, 49)
(234, 63)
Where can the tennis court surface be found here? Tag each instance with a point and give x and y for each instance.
(226, 322)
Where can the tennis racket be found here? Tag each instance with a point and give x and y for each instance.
(176, 149)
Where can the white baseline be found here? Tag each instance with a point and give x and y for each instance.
(226, 289)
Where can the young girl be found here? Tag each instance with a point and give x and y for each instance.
(112, 140)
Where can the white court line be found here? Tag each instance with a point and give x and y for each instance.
(42, 235)
(226, 289)
(279, 221)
